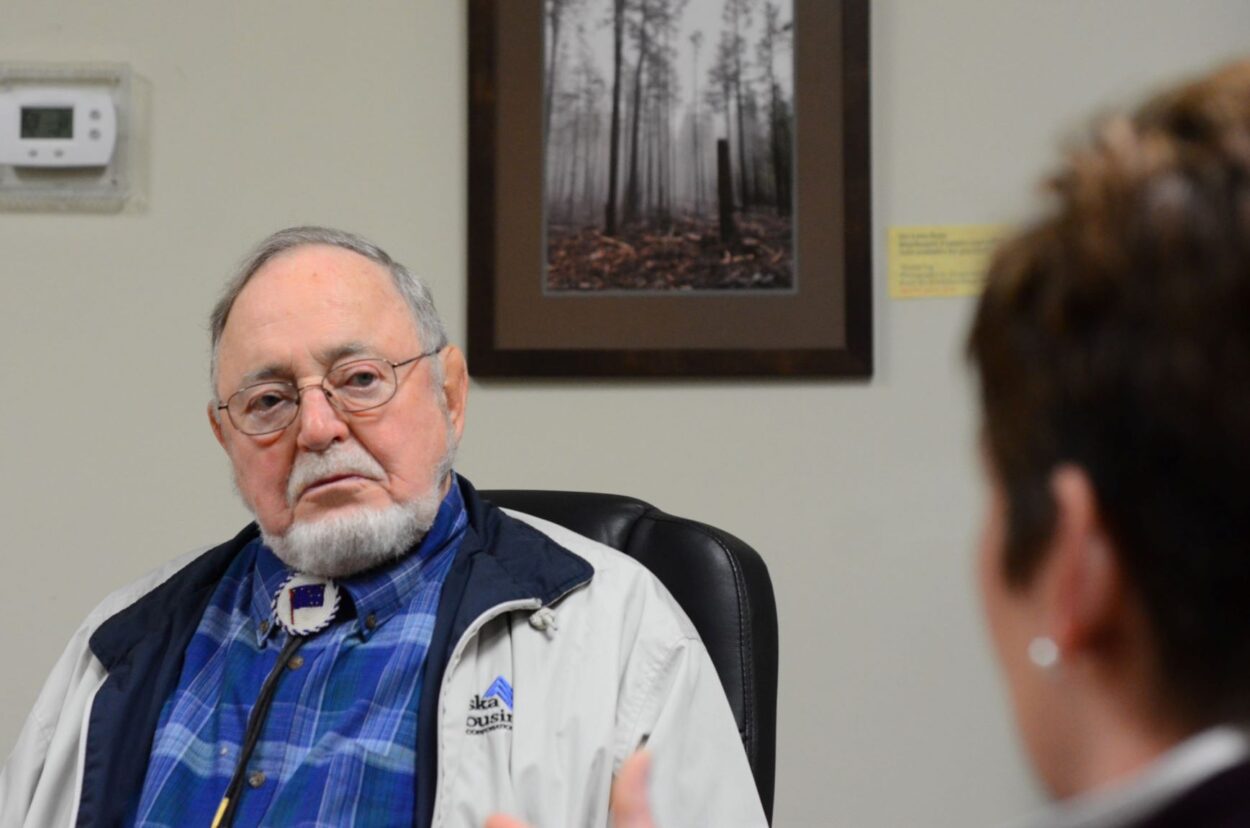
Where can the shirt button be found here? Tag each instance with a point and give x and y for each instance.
(264, 628)
(256, 779)
(296, 662)
(371, 621)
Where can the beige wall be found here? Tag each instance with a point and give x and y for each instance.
(862, 497)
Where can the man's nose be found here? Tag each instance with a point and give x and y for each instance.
(320, 423)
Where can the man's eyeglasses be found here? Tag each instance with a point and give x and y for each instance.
(359, 385)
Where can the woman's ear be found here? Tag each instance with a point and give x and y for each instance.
(1081, 582)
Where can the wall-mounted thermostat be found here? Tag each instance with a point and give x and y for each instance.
(56, 126)
(67, 137)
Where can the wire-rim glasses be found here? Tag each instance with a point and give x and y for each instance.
(351, 387)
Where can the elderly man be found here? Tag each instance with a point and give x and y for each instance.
(381, 647)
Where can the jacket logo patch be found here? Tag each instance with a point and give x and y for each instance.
(499, 688)
(492, 710)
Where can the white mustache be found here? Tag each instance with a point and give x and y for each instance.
(344, 458)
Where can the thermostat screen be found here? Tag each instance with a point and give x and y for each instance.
(47, 122)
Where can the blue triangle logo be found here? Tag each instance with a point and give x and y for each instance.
(501, 689)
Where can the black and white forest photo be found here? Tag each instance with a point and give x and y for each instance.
(668, 145)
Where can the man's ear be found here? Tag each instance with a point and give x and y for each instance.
(455, 386)
(1083, 582)
(216, 424)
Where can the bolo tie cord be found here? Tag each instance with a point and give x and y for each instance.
(255, 725)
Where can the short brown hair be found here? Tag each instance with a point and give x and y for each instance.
(1115, 334)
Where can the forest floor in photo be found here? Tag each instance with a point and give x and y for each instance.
(685, 255)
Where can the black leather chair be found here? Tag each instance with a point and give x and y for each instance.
(720, 582)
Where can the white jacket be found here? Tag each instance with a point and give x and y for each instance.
(612, 664)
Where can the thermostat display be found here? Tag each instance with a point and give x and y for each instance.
(47, 122)
(57, 126)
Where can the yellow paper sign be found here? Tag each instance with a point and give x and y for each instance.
(941, 260)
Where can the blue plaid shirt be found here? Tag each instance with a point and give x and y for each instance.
(338, 745)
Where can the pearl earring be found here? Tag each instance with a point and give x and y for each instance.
(1044, 652)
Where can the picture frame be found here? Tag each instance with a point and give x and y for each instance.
(818, 325)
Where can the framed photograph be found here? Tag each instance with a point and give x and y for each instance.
(669, 188)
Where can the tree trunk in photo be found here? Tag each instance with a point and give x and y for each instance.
(573, 162)
(554, 10)
(737, 11)
(666, 131)
(722, 77)
(614, 138)
(696, 40)
(586, 199)
(755, 157)
(631, 181)
(647, 201)
(781, 152)
(744, 183)
(559, 201)
(658, 147)
(666, 142)
(773, 39)
(725, 194)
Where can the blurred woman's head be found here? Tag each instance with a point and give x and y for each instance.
(1112, 346)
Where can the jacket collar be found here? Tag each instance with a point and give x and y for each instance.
(505, 560)
(533, 564)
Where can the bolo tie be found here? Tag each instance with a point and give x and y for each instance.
(303, 605)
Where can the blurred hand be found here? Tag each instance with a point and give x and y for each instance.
(630, 807)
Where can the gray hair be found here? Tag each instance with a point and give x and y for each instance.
(429, 326)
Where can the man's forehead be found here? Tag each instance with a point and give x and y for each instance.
(322, 301)
(311, 271)
(316, 279)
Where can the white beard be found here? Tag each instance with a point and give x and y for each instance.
(341, 545)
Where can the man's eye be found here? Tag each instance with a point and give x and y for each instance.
(266, 401)
(361, 378)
